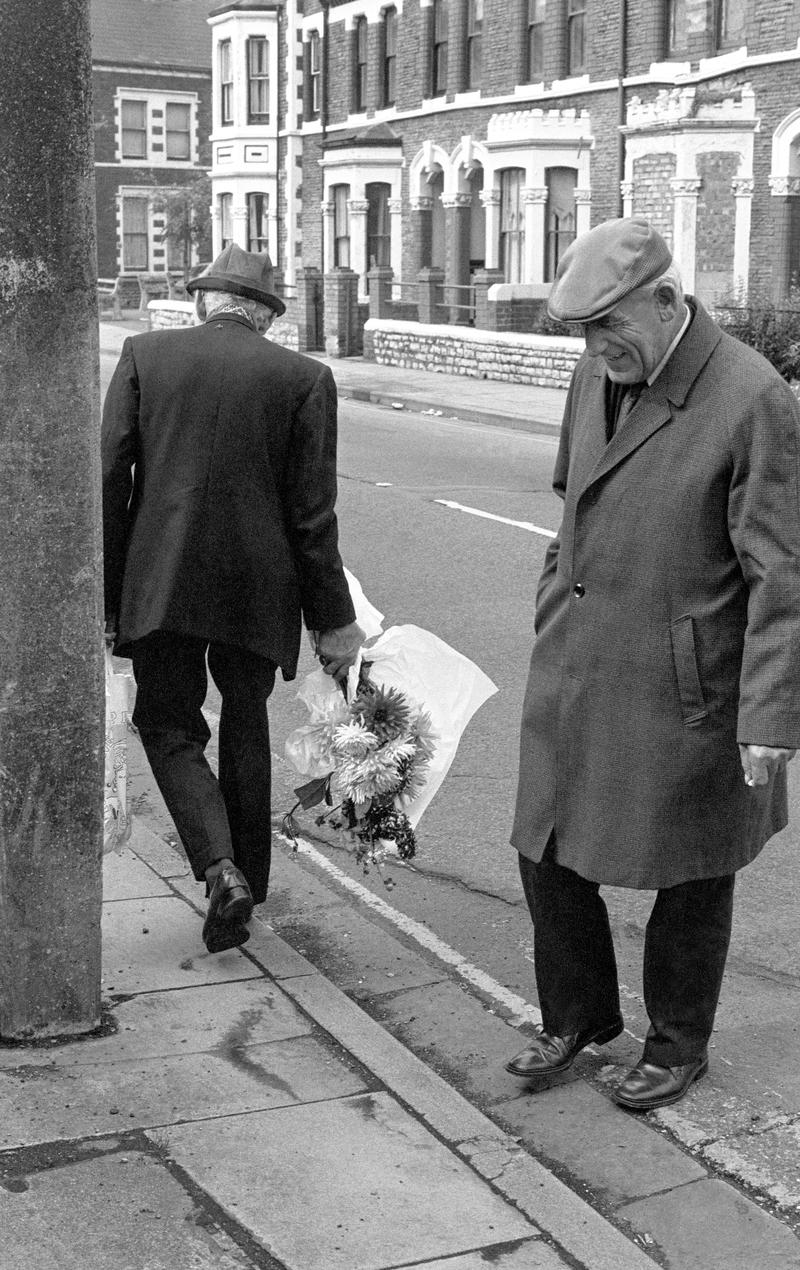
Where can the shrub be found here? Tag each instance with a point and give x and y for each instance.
(773, 330)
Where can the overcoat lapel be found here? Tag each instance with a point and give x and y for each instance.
(654, 407)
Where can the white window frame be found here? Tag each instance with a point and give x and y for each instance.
(156, 101)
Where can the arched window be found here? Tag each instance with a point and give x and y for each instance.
(257, 222)
(559, 217)
(378, 228)
(225, 206)
(512, 224)
(341, 226)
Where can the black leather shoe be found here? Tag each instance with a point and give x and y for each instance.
(230, 907)
(647, 1086)
(547, 1055)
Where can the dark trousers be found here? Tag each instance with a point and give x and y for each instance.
(215, 817)
(686, 945)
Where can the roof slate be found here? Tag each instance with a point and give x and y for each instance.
(152, 32)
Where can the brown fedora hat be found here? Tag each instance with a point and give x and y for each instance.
(240, 272)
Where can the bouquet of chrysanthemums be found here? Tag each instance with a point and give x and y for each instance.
(377, 748)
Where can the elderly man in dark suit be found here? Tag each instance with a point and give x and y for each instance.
(219, 486)
(663, 700)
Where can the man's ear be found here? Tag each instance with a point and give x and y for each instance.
(200, 305)
(666, 298)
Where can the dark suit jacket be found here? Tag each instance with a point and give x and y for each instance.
(219, 485)
(668, 622)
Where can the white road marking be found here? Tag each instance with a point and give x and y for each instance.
(521, 1011)
(504, 520)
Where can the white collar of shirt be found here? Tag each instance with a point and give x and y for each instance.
(652, 378)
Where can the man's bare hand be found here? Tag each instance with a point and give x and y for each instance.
(760, 762)
(337, 649)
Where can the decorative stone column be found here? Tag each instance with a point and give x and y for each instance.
(534, 201)
(216, 230)
(51, 642)
(583, 211)
(743, 193)
(456, 259)
(786, 190)
(396, 241)
(491, 205)
(358, 208)
(328, 225)
(627, 189)
(685, 191)
(422, 233)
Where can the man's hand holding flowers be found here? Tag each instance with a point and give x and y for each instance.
(337, 649)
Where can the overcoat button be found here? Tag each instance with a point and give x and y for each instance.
(578, 590)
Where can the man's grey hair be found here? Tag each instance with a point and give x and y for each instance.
(215, 299)
(670, 277)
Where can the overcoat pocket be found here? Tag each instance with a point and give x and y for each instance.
(684, 656)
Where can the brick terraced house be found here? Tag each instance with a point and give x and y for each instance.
(477, 137)
(151, 63)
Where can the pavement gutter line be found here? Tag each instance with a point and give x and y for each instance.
(549, 1204)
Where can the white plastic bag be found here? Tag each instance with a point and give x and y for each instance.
(429, 672)
(438, 678)
(116, 816)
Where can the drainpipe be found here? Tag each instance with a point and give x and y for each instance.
(623, 40)
(323, 118)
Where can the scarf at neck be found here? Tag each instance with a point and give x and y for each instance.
(238, 310)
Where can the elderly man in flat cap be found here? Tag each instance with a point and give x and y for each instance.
(219, 485)
(663, 700)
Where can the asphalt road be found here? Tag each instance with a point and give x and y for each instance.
(471, 580)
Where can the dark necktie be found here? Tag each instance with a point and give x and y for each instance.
(622, 404)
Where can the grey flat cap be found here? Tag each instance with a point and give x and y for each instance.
(604, 265)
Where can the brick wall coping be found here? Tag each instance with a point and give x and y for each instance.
(170, 306)
(519, 290)
(469, 335)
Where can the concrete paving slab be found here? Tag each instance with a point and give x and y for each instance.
(382, 1190)
(406, 1075)
(363, 959)
(587, 1237)
(769, 1162)
(57, 1102)
(120, 1210)
(452, 1030)
(156, 1024)
(126, 877)
(531, 1254)
(279, 959)
(160, 855)
(710, 1226)
(154, 944)
(580, 1130)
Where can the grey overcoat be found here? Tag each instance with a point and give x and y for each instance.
(667, 623)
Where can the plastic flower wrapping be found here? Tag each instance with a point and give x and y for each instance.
(376, 749)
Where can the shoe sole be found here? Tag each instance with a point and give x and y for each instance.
(653, 1103)
(237, 910)
(223, 938)
(600, 1038)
